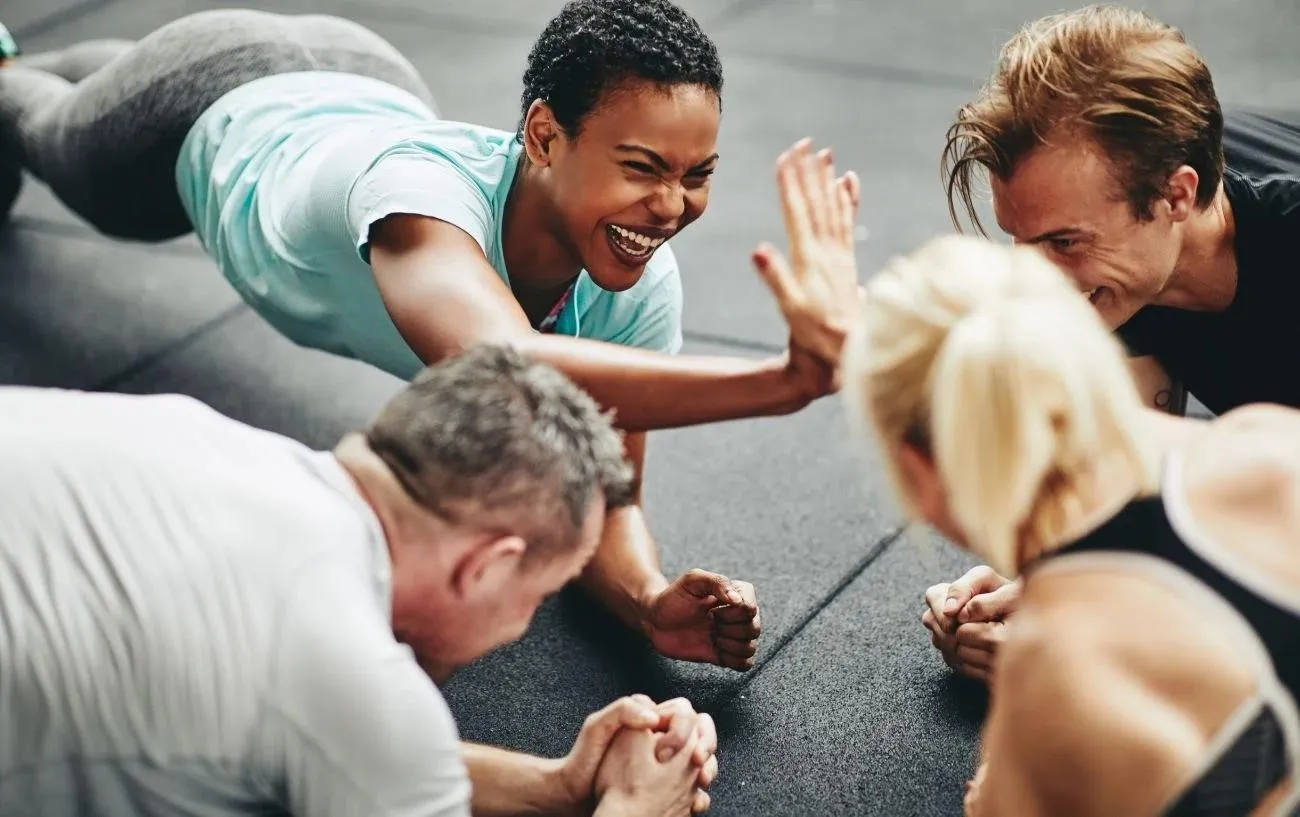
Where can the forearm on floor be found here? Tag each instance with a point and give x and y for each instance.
(624, 574)
(513, 784)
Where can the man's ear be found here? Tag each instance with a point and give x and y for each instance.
(541, 132)
(1180, 193)
(487, 566)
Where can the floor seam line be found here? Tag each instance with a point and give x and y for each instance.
(113, 382)
(498, 28)
(733, 342)
(869, 558)
(908, 77)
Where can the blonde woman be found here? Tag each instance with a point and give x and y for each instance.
(1153, 664)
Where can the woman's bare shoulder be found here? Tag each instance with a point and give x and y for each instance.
(1076, 714)
(1247, 465)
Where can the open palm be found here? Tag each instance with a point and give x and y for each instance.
(816, 288)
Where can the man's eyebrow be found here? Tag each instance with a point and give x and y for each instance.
(1060, 232)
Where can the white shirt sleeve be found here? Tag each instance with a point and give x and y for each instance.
(353, 723)
(417, 182)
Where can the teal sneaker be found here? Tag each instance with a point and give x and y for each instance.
(8, 45)
(11, 176)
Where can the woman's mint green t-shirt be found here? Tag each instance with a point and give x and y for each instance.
(283, 177)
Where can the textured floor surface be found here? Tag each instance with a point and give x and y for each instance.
(848, 711)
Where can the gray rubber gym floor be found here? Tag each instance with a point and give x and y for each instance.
(848, 711)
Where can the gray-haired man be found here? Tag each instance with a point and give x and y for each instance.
(199, 617)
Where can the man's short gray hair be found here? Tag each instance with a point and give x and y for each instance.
(491, 438)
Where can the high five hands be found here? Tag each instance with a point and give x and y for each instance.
(816, 287)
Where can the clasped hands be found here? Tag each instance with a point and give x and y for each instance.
(967, 620)
(636, 757)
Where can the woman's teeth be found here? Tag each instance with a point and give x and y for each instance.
(633, 243)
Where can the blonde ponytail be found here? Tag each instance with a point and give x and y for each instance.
(990, 356)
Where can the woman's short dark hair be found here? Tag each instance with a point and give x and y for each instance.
(592, 46)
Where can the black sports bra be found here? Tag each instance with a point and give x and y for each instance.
(1255, 760)
(1143, 526)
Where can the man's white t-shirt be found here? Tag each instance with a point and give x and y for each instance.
(195, 620)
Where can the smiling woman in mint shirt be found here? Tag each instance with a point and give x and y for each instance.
(307, 155)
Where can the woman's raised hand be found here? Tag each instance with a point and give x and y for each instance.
(817, 287)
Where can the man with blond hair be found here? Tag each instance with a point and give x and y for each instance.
(1104, 144)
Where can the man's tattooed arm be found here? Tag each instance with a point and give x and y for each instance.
(1158, 390)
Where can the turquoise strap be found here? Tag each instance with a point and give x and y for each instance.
(8, 45)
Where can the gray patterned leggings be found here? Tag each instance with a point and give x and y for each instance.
(102, 122)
